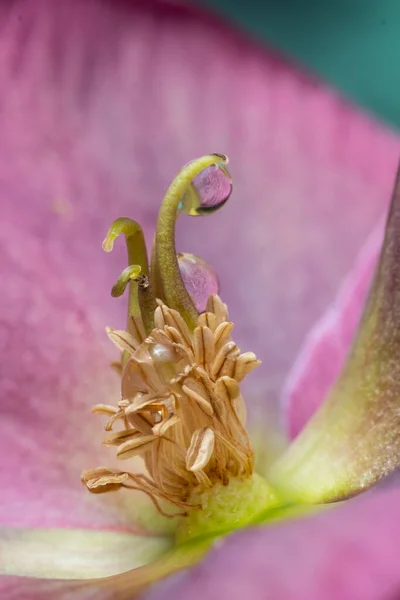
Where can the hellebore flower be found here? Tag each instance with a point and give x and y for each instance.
(179, 403)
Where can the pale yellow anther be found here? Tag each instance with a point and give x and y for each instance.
(223, 334)
(181, 408)
(203, 345)
(102, 480)
(104, 409)
(196, 391)
(135, 446)
(245, 364)
(164, 426)
(200, 450)
(123, 340)
(228, 351)
(208, 319)
(117, 438)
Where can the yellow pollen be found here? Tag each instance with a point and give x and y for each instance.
(181, 409)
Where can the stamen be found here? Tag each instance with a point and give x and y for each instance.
(136, 328)
(244, 365)
(216, 306)
(200, 450)
(118, 437)
(203, 345)
(180, 409)
(135, 446)
(196, 391)
(222, 333)
(160, 429)
(228, 352)
(123, 340)
(102, 480)
(208, 319)
(105, 409)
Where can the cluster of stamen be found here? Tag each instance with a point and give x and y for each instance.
(181, 408)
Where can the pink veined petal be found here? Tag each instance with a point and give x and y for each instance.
(82, 144)
(348, 553)
(328, 342)
(353, 440)
(57, 368)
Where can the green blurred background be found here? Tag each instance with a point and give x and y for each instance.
(353, 44)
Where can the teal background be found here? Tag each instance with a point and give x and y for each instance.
(353, 44)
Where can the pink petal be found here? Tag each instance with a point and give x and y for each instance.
(353, 440)
(81, 144)
(347, 553)
(328, 342)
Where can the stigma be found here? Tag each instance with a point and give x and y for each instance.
(180, 408)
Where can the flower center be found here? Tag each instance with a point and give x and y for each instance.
(181, 408)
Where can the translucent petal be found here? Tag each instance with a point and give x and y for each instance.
(122, 586)
(75, 554)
